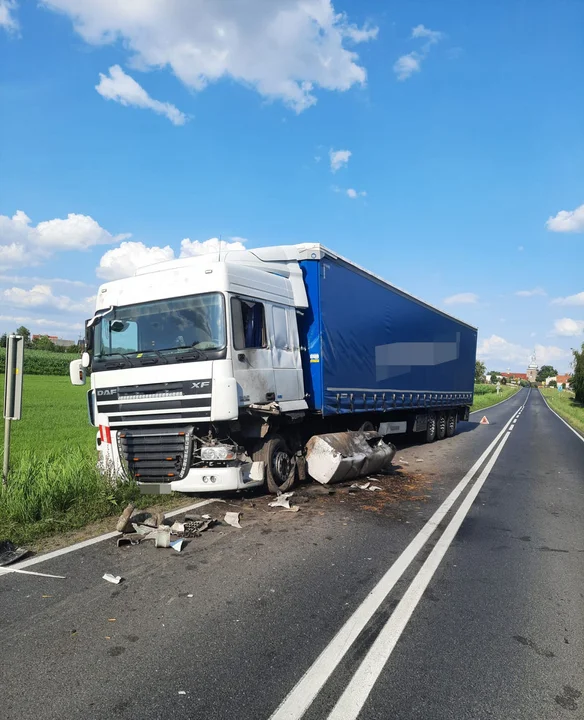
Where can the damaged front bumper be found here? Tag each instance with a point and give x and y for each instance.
(210, 480)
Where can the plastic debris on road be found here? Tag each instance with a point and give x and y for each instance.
(365, 486)
(131, 539)
(283, 500)
(9, 553)
(374, 487)
(177, 528)
(124, 523)
(232, 518)
(115, 579)
(177, 545)
(194, 527)
(162, 539)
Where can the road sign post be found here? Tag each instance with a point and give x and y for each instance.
(12, 393)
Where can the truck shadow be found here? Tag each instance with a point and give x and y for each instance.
(407, 441)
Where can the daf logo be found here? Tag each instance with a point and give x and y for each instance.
(107, 392)
(200, 385)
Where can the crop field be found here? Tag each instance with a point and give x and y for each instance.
(42, 362)
(53, 484)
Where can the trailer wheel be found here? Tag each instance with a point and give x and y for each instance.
(451, 424)
(280, 464)
(441, 426)
(431, 428)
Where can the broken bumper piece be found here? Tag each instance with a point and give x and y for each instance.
(211, 479)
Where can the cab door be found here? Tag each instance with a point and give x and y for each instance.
(286, 354)
(252, 356)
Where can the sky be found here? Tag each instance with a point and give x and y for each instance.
(439, 143)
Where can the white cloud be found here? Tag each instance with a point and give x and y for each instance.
(433, 36)
(7, 19)
(531, 293)
(33, 280)
(22, 243)
(285, 49)
(191, 248)
(123, 261)
(406, 65)
(50, 327)
(567, 221)
(42, 296)
(577, 299)
(568, 327)
(339, 159)
(353, 194)
(462, 299)
(124, 89)
(499, 351)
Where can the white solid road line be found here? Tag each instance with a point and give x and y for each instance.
(307, 688)
(353, 698)
(100, 538)
(576, 433)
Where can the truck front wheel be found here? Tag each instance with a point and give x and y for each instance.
(279, 462)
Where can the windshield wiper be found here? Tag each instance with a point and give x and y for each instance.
(148, 360)
(190, 354)
(112, 364)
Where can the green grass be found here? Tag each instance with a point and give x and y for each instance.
(565, 405)
(486, 395)
(53, 483)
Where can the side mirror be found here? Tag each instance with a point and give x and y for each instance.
(77, 372)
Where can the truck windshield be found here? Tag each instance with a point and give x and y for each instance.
(166, 329)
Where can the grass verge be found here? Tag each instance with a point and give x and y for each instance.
(486, 395)
(565, 405)
(54, 485)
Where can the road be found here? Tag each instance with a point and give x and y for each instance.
(457, 591)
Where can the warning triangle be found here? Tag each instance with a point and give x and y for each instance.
(484, 420)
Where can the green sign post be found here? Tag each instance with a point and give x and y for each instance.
(12, 393)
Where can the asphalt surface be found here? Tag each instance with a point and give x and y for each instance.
(229, 626)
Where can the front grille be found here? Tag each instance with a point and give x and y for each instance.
(156, 454)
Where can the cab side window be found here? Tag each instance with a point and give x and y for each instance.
(249, 324)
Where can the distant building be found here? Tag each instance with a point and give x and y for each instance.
(563, 380)
(533, 369)
(56, 340)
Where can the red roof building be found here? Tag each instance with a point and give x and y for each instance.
(517, 376)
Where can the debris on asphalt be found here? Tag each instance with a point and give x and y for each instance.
(374, 487)
(341, 456)
(403, 462)
(283, 500)
(182, 692)
(232, 518)
(9, 553)
(124, 519)
(365, 486)
(115, 579)
(206, 517)
(194, 527)
(131, 539)
(177, 528)
(177, 545)
(162, 539)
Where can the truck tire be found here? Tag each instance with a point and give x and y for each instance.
(451, 424)
(441, 426)
(431, 428)
(279, 462)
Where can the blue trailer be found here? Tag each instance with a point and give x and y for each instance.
(373, 348)
(228, 370)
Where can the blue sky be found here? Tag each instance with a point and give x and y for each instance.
(437, 143)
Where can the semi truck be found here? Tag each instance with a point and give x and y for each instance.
(225, 370)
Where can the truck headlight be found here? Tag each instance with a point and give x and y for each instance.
(217, 452)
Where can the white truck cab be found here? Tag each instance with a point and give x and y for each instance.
(190, 361)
